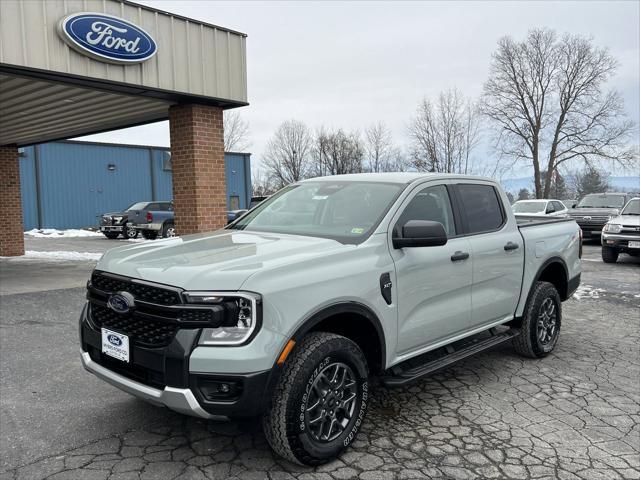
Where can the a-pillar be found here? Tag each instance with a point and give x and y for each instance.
(11, 233)
(197, 158)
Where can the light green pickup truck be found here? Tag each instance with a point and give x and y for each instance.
(291, 310)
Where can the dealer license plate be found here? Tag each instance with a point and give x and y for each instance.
(633, 244)
(115, 344)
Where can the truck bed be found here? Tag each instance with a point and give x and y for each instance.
(524, 221)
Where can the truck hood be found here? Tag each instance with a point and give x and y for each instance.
(221, 260)
(631, 220)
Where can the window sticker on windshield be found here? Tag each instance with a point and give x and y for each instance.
(357, 230)
(320, 197)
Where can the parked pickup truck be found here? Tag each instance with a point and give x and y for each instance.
(155, 219)
(290, 310)
(114, 224)
(594, 210)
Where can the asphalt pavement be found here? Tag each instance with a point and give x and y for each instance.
(573, 415)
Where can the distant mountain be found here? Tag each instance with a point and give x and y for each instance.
(624, 184)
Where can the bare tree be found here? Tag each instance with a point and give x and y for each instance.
(336, 152)
(236, 132)
(545, 97)
(262, 184)
(286, 158)
(380, 152)
(444, 133)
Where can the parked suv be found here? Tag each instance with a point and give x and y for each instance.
(621, 234)
(289, 311)
(155, 219)
(595, 209)
(114, 224)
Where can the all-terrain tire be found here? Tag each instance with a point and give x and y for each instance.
(286, 423)
(129, 232)
(529, 343)
(610, 255)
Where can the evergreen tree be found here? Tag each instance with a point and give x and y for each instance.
(523, 194)
(591, 180)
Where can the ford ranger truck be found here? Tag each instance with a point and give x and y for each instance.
(291, 310)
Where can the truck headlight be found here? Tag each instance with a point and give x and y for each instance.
(241, 319)
(613, 227)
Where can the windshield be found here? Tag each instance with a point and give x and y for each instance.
(529, 207)
(601, 201)
(344, 211)
(137, 206)
(632, 208)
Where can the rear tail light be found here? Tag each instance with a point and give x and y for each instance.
(149, 217)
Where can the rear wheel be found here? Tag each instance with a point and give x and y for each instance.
(541, 322)
(320, 401)
(610, 255)
(149, 234)
(111, 235)
(168, 230)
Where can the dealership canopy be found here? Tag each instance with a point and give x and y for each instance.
(71, 68)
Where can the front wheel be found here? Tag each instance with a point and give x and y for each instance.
(541, 322)
(130, 231)
(610, 255)
(320, 401)
(111, 235)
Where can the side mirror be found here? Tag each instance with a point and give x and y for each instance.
(573, 205)
(421, 233)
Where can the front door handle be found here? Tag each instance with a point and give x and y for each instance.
(456, 257)
(511, 246)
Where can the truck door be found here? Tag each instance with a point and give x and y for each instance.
(497, 249)
(433, 283)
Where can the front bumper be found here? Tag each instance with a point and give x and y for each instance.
(112, 228)
(619, 241)
(161, 376)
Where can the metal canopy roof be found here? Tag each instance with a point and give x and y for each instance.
(34, 110)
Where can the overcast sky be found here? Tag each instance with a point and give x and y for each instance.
(351, 64)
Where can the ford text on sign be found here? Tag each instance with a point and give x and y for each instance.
(107, 38)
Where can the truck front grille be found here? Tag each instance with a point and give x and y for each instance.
(140, 291)
(157, 315)
(144, 331)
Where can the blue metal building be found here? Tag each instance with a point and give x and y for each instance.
(68, 184)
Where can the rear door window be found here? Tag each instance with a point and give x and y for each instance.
(481, 207)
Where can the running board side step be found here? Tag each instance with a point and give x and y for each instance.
(399, 376)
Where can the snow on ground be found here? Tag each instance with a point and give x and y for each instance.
(53, 233)
(587, 291)
(62, 255)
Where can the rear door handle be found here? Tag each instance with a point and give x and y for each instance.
(456, 257)
(511, 246)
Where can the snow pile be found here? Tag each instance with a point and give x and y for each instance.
(587, 291)
(53, 233)
(62, 255)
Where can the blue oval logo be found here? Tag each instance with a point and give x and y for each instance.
(114, 340)
(119, 303)
(107, 38)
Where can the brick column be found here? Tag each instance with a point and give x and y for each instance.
(197, 157)
(11, 232)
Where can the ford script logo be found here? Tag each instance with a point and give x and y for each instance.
(114, 340)
(107, 38)
(121, 302)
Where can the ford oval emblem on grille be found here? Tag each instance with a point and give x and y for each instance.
(114, 340)
(121, 302)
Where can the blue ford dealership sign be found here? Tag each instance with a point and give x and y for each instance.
(107, 38)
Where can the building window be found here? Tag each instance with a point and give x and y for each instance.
(234, 202)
